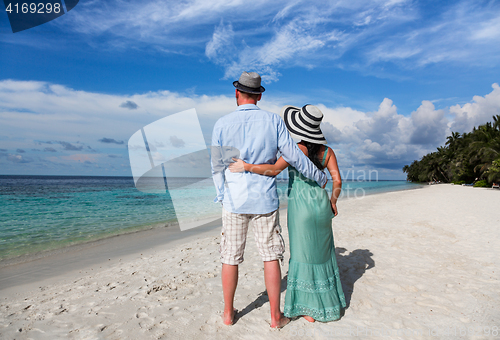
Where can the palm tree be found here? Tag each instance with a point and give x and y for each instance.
(452, 141)
(464, 157)
(486, 148)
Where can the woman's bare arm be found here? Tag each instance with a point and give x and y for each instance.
(261, 169)
(333, 169)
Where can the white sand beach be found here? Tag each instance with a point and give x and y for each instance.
(421, 263)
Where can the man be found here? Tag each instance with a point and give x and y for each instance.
(258, 136)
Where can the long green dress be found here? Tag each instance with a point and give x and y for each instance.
(314, 287)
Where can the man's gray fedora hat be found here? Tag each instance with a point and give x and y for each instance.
(249, 82)
(303, 123)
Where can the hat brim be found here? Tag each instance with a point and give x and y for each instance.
(298, 128)
(252, 90)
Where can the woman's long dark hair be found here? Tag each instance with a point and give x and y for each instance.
(312, 153)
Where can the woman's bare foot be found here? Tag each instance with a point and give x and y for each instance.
(228, 318)
(308, 318)
(281, 322)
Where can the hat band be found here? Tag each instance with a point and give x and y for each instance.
(244, 88)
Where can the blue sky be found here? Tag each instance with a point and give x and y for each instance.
(393, 77)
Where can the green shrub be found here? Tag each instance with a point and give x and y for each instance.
(481, 184)
(458, 182)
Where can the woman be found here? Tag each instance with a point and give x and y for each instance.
(314, 289)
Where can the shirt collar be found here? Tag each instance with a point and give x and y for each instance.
(245, 107)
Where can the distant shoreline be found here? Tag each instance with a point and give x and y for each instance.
(131, 177)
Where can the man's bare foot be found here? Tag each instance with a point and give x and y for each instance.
(281, 322)
(228, 319)
(308, 318)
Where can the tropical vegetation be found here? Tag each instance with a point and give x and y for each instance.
(465, 158)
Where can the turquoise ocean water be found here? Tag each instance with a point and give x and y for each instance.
(39, 213)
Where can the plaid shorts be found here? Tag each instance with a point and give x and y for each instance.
(267, 231)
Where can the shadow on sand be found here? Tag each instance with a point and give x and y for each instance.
(352, 266)
(261, 299)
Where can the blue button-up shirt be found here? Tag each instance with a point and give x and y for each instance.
(254, 136)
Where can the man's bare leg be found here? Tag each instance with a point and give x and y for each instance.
(272, 277)
(229, 283)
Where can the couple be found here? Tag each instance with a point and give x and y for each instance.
(247, 191)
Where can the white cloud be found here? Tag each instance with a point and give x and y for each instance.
(289, 43)
(221, 43)
(285, 11)
(455, 35)
(272, 36)
(341, 117)
(331, 133)
(36, 114)
(430, 125)
(160, 22)
(478, 112)
(382, 122)
(372, 32)
(487, 31)
(276, 34)
(387, 139)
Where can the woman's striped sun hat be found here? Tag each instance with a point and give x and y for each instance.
(303, 123)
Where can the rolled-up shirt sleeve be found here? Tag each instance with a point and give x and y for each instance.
(295, 157)
(217, 165)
